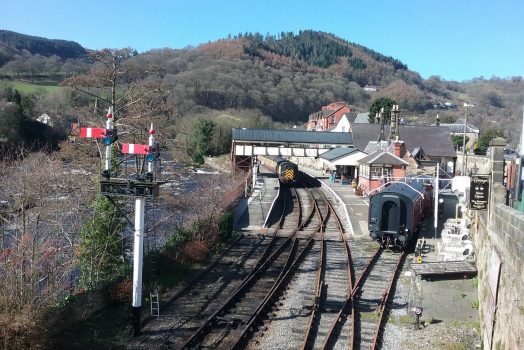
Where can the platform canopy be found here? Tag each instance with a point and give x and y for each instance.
(292, 137)
(342, 156)
(286, 143)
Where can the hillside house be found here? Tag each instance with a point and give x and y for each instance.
(327, 118)
(343, 124)
(45, 119)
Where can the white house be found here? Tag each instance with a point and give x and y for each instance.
(45, 119)
(343, 125)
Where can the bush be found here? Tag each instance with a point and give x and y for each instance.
(175, 243)
(225, 226)
(196, 251)
(122, 292)
(23, 330)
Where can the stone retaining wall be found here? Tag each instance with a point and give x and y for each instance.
(501, 295)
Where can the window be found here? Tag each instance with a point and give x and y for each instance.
(376, 172)
(388, 174)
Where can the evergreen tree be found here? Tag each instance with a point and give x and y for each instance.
(200, 143)
(383, 102)
(458, 141)
(482, 144)
(100, 254)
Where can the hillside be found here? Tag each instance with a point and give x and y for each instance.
(16, 42)
(288, 76)
(31, 55)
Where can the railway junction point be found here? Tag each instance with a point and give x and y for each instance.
(447, 293)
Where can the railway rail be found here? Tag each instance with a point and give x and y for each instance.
(228, 323)
(306, 283)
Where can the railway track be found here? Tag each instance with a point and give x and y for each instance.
(306, 285)
(190, 304)
(229, 323)
(371, 296)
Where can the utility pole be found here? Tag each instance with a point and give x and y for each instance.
(435, 213)
(465, 159)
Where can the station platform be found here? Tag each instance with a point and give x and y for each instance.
(252, 214)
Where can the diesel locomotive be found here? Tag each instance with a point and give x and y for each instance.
(396, 211)
(285, 170)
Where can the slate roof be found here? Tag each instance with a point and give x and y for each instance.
(458, 127)
(337, 152)
(362, 118)
(382, 157)
(293, 136)
(374, 146)
(436, 141)
(352, 116)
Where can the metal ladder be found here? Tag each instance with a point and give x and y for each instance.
(155, 304)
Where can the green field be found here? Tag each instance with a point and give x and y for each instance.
(28, 88)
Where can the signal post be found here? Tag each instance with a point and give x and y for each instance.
(141, 188)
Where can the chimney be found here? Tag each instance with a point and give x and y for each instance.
(393, 128)
(438, 121)
(380, 118)
(396, 147)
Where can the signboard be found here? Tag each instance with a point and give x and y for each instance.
(479, 192)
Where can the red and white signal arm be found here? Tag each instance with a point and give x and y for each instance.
(133, 148)
(96, 133)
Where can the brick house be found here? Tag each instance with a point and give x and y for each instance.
(328, 117)
(380, 167)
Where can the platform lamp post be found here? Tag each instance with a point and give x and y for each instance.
(437, 200)
(464, 158)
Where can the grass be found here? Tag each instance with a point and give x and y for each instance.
(475, 281)
(402, 319)
(369, 247)
(369, 316)
(30, 88)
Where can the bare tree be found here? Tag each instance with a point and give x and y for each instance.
(134, 92)
(39, 226)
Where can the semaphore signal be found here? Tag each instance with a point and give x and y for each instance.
(134, 148)
(139, 189)
(95, 133)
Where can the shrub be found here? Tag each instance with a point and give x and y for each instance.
(196, 251)
(225, 226)
(122, 292)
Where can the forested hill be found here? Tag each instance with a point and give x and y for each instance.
(285, 78)
(13, 44)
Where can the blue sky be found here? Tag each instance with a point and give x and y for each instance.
(453, 39)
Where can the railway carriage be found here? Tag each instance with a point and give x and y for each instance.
(396, 212)
(285, 170)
